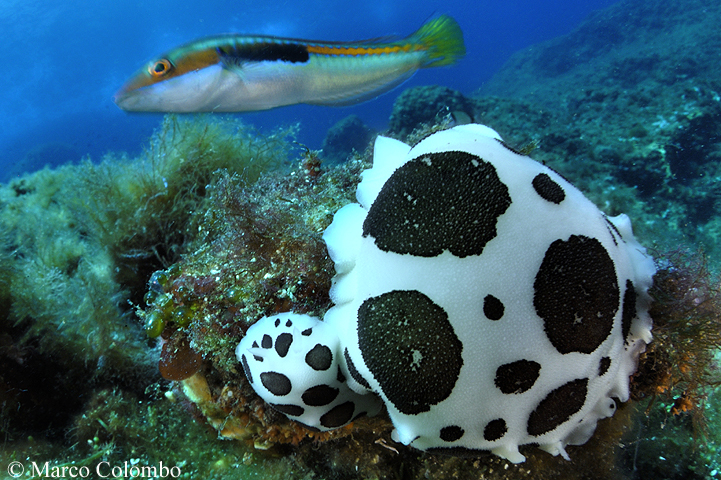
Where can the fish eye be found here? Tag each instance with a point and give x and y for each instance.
(160, 67)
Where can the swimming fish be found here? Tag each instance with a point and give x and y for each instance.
(236, 73)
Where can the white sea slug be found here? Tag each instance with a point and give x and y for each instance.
(480, 295)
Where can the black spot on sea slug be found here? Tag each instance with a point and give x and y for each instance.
(576, 294)
(307, 332)
(517, 377)
(459, 451)
(290, 409)
(603, 365)
(276, 383)
(277, 322)
(492, 307)
(360, 415)
(451, 433)
(266, 342)
(613, 230)
(319, 395)
(495, 429)
(354, 371)
(246, 368)
(319, 358)
(282, 344)
(338, 415)
(409, 345)
(547, 189)
(436, 202)
(558, 406)
(629, 309)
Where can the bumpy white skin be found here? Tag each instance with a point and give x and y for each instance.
(292, 362)
(481, 328)
(559, 395)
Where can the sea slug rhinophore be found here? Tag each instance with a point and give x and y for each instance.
(478, 294)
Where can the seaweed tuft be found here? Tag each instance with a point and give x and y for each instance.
(78, 246)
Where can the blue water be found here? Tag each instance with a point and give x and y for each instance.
(62, 61)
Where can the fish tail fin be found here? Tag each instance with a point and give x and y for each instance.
(442, 39)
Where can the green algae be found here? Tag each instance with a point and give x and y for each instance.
(79, 243)
(258, 251)
(84, 234)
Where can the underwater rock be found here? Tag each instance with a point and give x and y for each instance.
(425, 105)
(639, 78)
(348, 135)
(46, 155)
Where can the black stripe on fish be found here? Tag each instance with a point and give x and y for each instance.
(263, 51)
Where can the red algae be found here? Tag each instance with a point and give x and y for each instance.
(178, 360)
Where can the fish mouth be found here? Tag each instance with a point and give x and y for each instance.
(130, 95)
(133, 100)
(120, 99)
(189, 93)
(123, 96)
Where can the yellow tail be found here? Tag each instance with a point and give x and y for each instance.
(443, 39)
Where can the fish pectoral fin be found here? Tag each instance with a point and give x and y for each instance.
(234, 65)
(239, 71)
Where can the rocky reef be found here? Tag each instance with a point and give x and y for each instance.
(208, 262)
(637, 88)
(344, 138)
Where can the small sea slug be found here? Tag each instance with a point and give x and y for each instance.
(478, 294)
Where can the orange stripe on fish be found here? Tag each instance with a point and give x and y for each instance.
(354, 51)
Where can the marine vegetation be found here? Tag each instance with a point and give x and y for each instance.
(679, 377)
(79, 243)
(222, 229)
